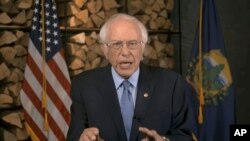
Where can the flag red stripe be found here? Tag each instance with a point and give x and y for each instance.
(34, 126)
(50, 91)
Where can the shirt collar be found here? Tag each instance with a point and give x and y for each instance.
(133, 79)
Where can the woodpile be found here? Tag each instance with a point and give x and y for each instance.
(84, 53)
(13, 52)
(153, 13)
(16, 12)
(93, 13)
(86, 13)
(159, 52)
(81, 45)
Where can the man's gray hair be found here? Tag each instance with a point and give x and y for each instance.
(121, 16)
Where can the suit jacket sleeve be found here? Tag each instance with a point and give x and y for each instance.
(182, 114)
(78, 113)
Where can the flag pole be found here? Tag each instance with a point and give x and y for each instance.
(44, 91)
(201, 95)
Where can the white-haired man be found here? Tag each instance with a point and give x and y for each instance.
(127, 100)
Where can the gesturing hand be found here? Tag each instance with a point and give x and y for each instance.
(151, 135)
(90, 134)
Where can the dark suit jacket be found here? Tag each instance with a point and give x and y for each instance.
(95, 104)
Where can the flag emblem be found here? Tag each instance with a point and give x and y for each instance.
(216, 76)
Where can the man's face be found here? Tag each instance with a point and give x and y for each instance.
(124, 60)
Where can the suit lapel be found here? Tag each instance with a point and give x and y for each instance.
(144, 94)
(111, 100)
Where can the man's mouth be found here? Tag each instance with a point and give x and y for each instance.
(125, 64)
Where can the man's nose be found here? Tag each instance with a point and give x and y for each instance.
(124, 49)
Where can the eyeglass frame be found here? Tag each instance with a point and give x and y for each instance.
(128, 43)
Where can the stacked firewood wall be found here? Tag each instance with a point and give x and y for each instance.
(80, 21)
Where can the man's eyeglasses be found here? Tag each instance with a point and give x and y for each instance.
(131, 44)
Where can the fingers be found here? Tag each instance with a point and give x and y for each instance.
(151, 135)
(145, 139)
(90, 134)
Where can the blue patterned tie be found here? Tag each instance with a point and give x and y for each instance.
(127, 107)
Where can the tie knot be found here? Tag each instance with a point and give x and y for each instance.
(126, 84)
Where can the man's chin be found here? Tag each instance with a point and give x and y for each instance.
(125, 73)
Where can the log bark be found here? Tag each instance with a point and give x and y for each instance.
(13, 119)
(20, 50)
(4, 71)
(83, 16)
(3, 2)
(72, 48)
(20, 18)
(5, 19)
(8, 54)
(74, 22)
(7, 136)
(15, 88)
(5, 99)
(15, 76)
(79, 3)
(19, 62)
(81, 54)
(110, 4)
(21, 134)
(24, 4)
(78, 38)
(7, 38)
(98, 21)
(76, 64)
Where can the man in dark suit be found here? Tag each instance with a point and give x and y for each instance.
(102, 102)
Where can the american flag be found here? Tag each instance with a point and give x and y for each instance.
(46, 86)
